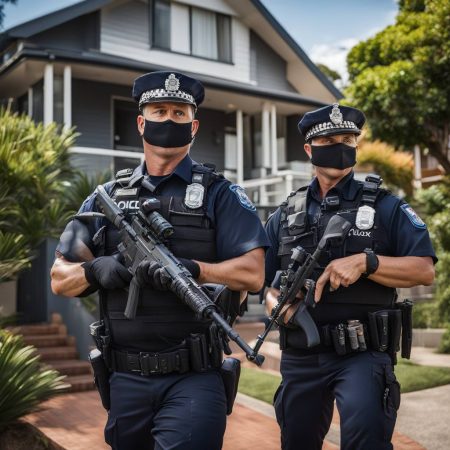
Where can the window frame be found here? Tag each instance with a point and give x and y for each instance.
(216, 15)
(151, 22)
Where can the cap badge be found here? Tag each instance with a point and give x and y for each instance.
(172, 83)
(194, 195)
(336, 115)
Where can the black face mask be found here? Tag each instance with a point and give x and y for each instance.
(337, 156)
(167, 134)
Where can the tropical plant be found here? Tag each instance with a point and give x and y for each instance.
(81, 186)
(34, 164)
(23, 382)
(14, 254)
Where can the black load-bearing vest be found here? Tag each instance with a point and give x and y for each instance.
(162, 320)
(295, 230)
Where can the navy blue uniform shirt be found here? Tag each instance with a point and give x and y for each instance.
(238, 227)
(408, 235)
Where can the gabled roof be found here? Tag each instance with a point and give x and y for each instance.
(43, 23)
(61, 16)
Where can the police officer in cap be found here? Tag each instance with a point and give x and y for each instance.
(387, 247)
(218, 237)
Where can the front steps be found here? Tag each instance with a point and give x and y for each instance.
(58, 351)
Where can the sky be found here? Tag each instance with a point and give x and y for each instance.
(325, 29)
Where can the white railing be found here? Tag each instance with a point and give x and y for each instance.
(271, 190)
(107, 152)
(267, 191)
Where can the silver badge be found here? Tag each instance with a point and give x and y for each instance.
(194, 195)
(365, 217)
(336, 115)
(172, 83)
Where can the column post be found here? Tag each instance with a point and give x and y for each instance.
(48, 94)
(67, 96)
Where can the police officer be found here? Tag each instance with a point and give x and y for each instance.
(388, 246)
(157, 399)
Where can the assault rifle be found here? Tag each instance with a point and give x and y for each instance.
(296, 278)
(143, 239)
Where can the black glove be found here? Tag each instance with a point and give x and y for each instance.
(106, 272)
(150, 273)
(192, 266)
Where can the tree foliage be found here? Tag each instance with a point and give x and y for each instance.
(395, 167)
(399, 78)
(436, 203)
(333, 75)
(2, 6)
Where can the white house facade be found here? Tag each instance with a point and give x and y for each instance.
(76, 67)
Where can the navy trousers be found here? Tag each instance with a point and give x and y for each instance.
(166, 412)
(367, 397)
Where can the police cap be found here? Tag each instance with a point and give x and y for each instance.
(167, 86)
(332, 119)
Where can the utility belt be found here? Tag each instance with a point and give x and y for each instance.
(192, 355)
(195, 354)
(381, 332)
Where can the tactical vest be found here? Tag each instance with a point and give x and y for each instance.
(364, 295)
(162, 320)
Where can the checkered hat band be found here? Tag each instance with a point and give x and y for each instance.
(346, 124)
(163, 94)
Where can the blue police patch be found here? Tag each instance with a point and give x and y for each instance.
(412, 216)
(242, 197)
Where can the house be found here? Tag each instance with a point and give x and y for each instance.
(76, 67)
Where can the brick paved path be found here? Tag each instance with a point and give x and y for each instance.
(76, 421)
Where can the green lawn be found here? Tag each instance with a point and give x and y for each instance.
(412, 377)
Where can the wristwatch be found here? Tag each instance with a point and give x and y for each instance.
(371, 262)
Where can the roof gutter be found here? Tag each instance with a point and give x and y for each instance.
(128, 64)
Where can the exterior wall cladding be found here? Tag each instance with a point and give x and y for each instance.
(267, 68)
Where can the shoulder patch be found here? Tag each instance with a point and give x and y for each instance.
(412, 216)
(242, 197)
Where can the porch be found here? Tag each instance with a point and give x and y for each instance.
(251, 137)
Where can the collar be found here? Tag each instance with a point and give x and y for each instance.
(347, 188)
(183, 170)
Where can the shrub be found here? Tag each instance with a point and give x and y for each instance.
(23, 382)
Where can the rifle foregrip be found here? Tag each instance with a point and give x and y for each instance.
(304, 320)
(133, 300)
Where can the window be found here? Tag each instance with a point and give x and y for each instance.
(210, 35)
(126, 135)
(161, 24)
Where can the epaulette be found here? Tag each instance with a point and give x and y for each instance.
(205, 174)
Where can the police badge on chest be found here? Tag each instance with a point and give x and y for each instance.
(365, 217)
(194, 195)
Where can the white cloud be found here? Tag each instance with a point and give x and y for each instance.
(334, 55)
